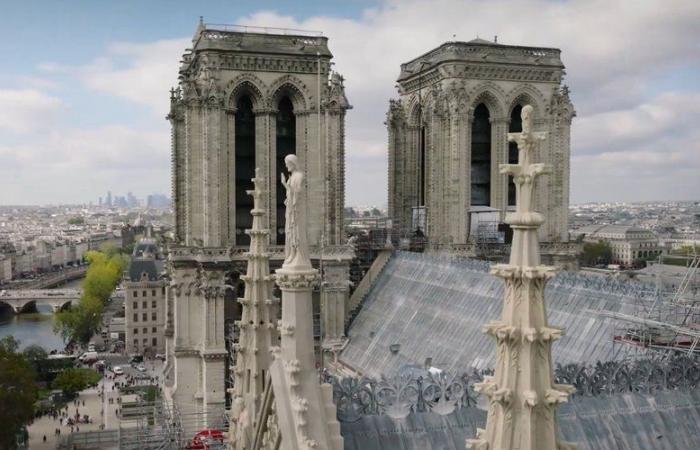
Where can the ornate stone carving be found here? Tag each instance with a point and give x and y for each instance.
(523, 326)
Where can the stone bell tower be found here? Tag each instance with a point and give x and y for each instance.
(248, 97)
(448, 134)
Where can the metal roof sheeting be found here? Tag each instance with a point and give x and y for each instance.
(667, 420)
(436, 306)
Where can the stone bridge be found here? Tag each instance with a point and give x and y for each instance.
(53, 279)
(23, 300)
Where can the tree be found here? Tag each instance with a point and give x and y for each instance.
(596, 253)
(73, 380)
(102, 277)
(37, 357)
(17, 392)
(76, 221)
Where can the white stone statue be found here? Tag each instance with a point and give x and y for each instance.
(296, 246)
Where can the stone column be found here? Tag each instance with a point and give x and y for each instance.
(334, 292)
(499, 155)
(230, 179)
(265, 134)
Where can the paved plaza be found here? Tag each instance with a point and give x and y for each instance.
(95, 402)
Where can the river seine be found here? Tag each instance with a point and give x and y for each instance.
(33, 328)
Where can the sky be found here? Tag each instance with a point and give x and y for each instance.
(84, 86)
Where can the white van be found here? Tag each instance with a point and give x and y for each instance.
(88, 357)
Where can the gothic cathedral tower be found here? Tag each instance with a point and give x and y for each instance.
(448, 135)
(247, 98)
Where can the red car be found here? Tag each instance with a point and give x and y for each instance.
(206, 440)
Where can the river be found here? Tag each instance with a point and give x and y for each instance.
(33, 328)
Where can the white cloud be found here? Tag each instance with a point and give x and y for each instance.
(25, 110)
(631, 137)
(647, 124)
(613, 52)
(141, 73)
(80, 164)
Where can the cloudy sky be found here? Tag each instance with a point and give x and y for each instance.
(84, 86)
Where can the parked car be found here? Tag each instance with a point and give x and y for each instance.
(160, 356)
(141, 368)
(135, 359)
(118, 370)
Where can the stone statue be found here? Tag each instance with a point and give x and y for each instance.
(296, 246)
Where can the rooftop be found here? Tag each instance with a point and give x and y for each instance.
(481, 51)
(434, 307)
(266, 40)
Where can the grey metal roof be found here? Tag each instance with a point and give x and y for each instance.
(667, 420)
(435, 307)
(151, 267)
(419, 431)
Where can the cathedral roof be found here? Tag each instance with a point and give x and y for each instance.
(482, 41)
(663, 420)
(424, 306)
(480, 51)
(258, 40)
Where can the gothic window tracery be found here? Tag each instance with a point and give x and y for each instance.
(481, 157)
(245, 167)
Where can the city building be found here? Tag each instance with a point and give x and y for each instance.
(627, 242)
(248, 98)
(144, 302)
(5, 268)
(448, 135)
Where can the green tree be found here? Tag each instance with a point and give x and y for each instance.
(73, 380)
(596, 253)
(17, 392)
(76, 221)
(37, 357)
(102, 277)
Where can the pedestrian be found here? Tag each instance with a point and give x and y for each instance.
(44, 438)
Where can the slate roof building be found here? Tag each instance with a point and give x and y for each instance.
(144, 304)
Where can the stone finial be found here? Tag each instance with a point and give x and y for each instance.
(523, 328)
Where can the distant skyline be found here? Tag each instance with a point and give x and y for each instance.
(84, 87)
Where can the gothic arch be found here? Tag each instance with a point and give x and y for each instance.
(426, 105)
(292, 87)
(526, 94)
(491, 95)
(245, 84)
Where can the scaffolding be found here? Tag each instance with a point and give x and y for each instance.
(668, 325)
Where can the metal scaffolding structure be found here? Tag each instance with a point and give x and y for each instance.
(668, 325)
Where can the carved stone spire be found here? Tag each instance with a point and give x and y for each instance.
(304, 407)
(258, 327)
(523, 398)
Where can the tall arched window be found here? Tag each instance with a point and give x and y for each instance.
(245, 167)
(481, 157)
(286, 144)
(421, 174)
(516, 126)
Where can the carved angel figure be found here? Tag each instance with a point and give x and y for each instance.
(296, 246)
